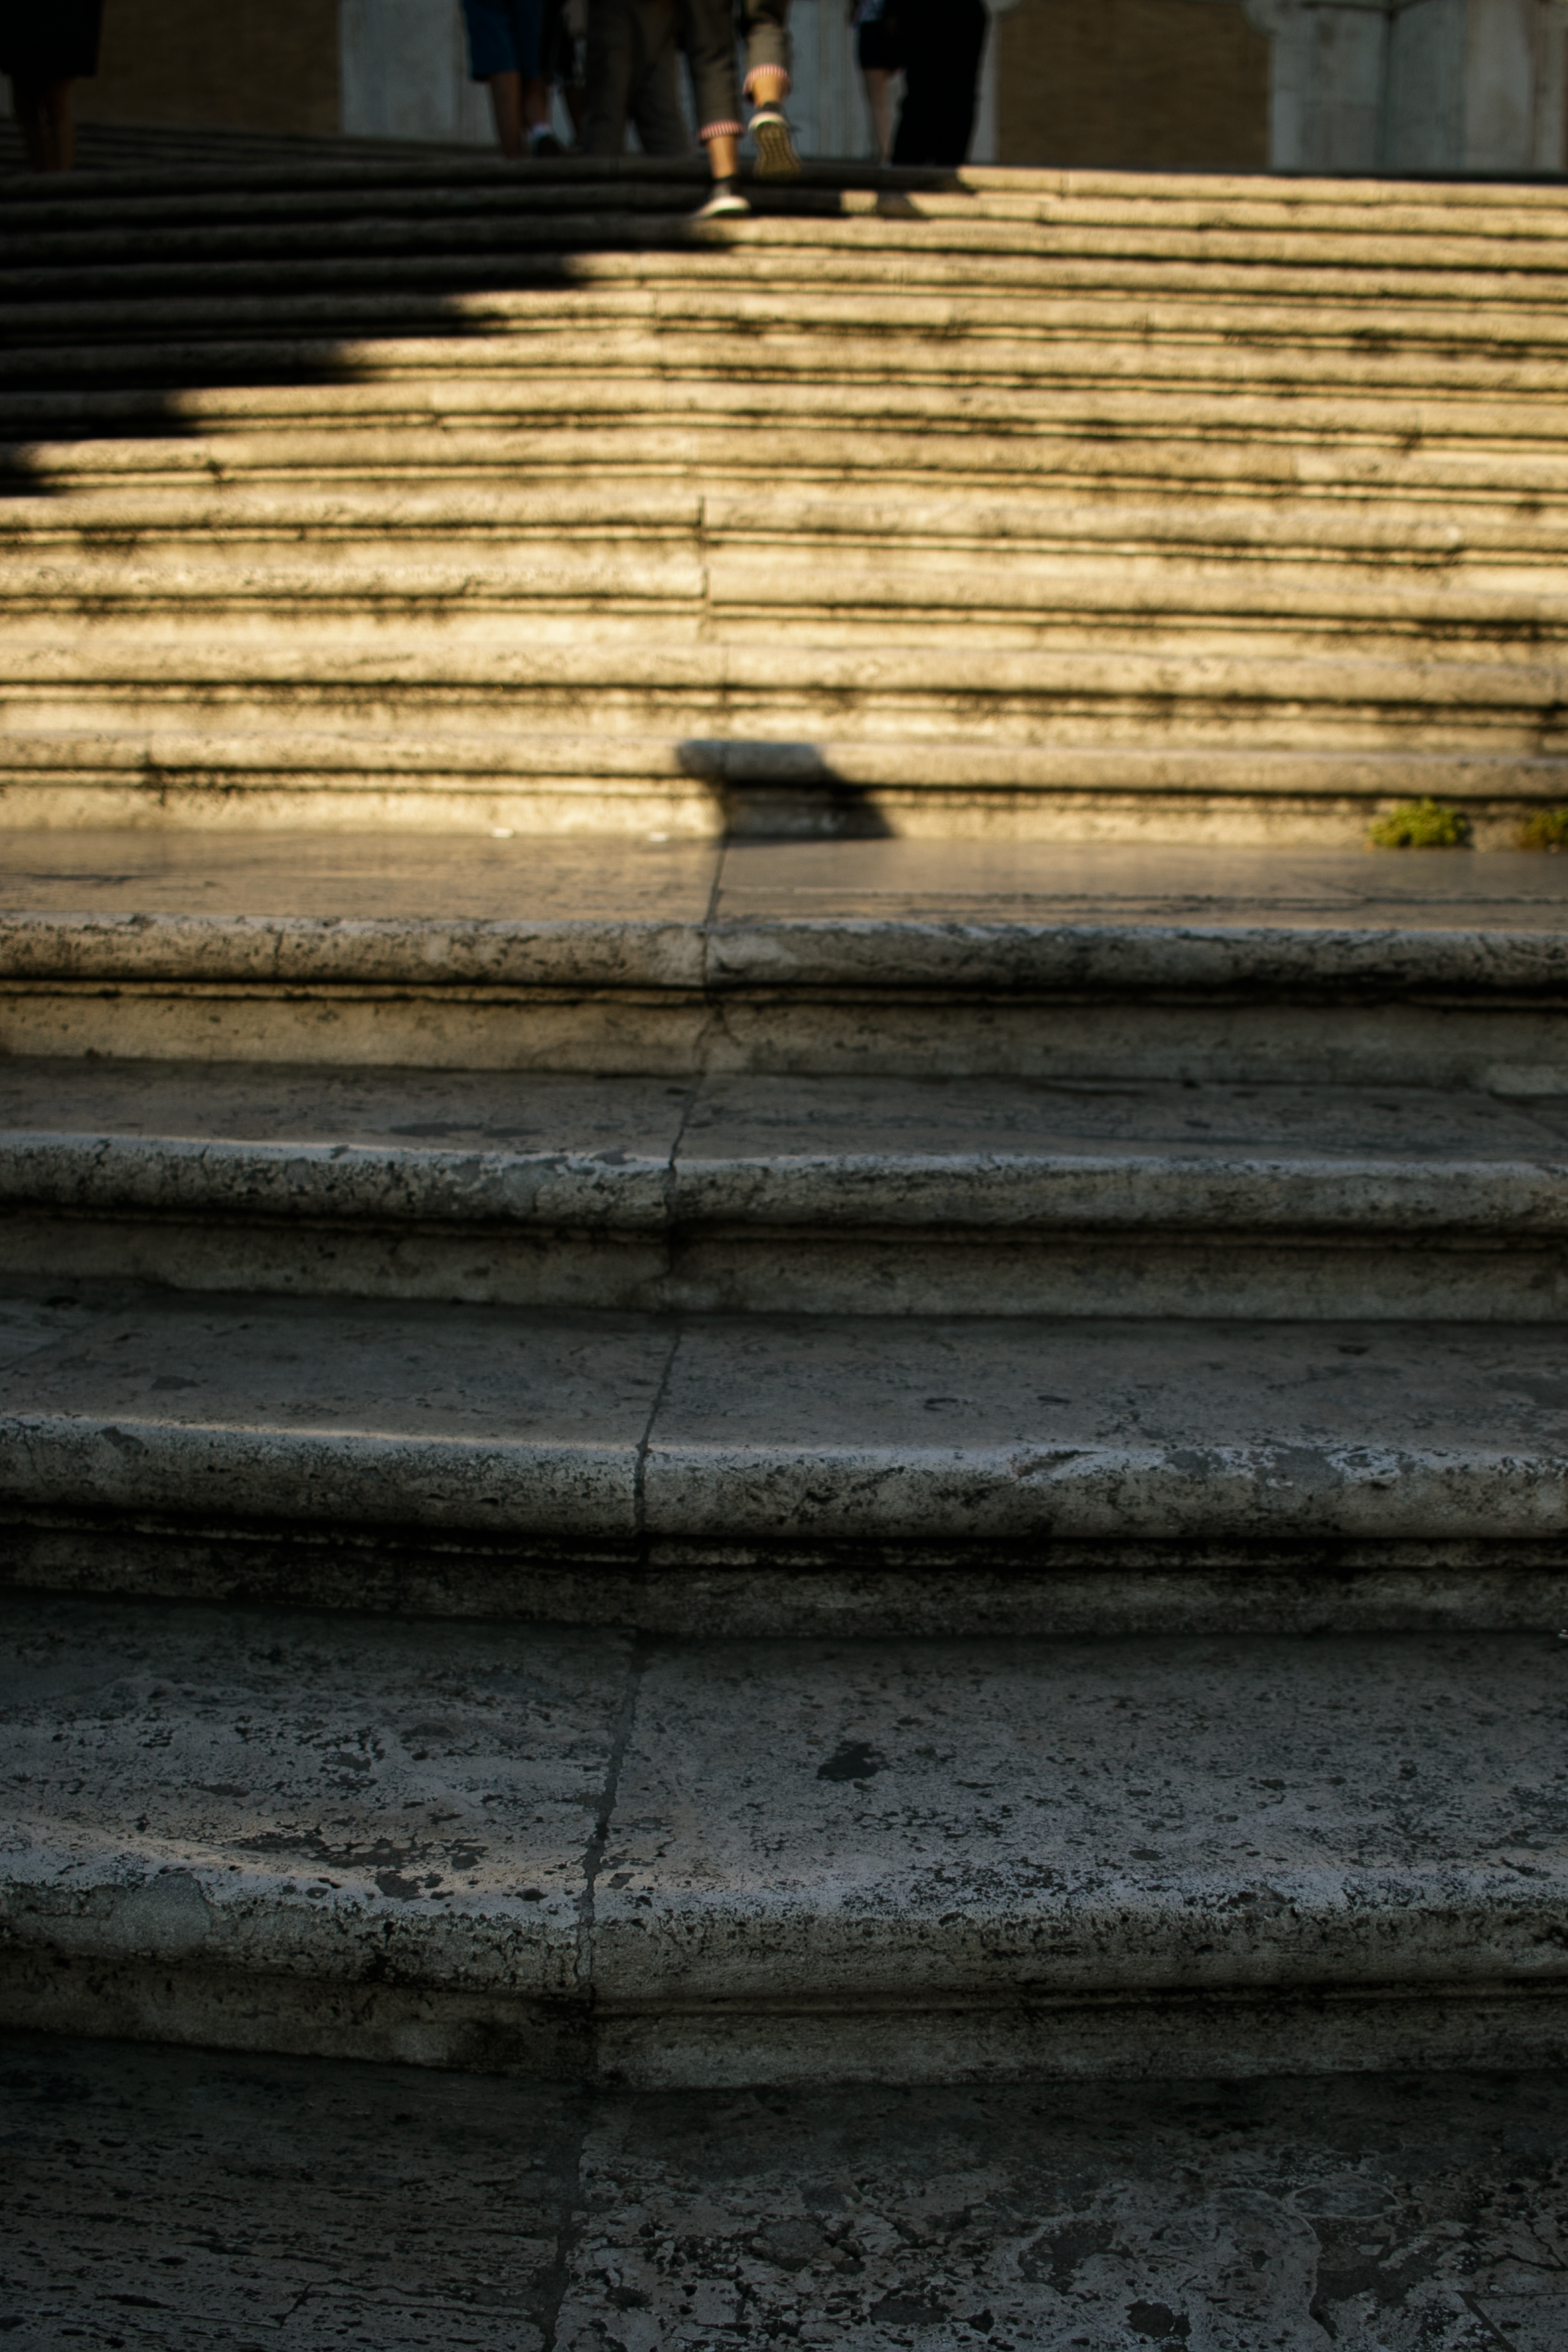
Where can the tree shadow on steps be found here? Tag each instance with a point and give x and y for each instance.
(124, 293)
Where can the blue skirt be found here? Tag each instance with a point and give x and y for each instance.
(503, 36)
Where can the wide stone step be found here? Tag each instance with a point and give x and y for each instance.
(226, 461)
(724, 1863)
(369, 212)
(829, 594)
(782, 1472)
(624, 786)
(452, 2207)
(864, 1195)
(1035, 959)
(1368, 207)
(461, 385)
(1366, 521)
(1247, 692)
(183, 339)
(1317, 294)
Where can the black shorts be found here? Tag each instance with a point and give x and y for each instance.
(49, 41)
(878, 48)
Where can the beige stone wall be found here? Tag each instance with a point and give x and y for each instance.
(1160, 84)
(243, 65)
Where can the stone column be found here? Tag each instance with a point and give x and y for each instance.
(1416, 85)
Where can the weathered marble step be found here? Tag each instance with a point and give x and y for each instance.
(1353, 551)
(1379, 217)
(623, 785)
(227, 459)
(811, 1195)
(1371, 208)
(1205, 686)
(725, 1863)
(459, 385)
(136, 244)
(1223, 2214)
(784, 1472)
(1403, 541)
(177, 340)
(1250, 275)
(1214, 599)
(1049, 960)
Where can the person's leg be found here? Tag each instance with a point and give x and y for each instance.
(612, 76)
(709, 30)
(767, 87)
(505, 105)
(943, 43)
(966, 32)
(656, 106)
(528, 40)
(42, 112)
(879, 84)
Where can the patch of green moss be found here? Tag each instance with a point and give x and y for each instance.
(1421, 824)
(1546, 829)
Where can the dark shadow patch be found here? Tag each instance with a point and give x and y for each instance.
(852, 1760)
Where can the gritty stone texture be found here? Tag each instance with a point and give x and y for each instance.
(299, 1409)
(717, 1862)
(806, 1429)
(1086, 1816)
(184, 2200)
(899, 915)
(633, 1152)
(712, 1436)
(313, 1797)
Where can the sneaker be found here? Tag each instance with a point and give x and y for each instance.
(776, 158)
(726, 199)
(545, 142)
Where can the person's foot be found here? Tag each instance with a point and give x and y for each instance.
(725, 199)
(542, 141)
(776, 158)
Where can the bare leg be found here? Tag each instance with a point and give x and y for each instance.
(724, 156)
(505, 105)
(767, 85)
(536, 103)
(42, 111)
(879, 98)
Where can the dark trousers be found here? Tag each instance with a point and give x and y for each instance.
(633, 69)
(708, 31)
(944, 41)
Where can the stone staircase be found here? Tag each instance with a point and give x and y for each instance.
(765, 1320)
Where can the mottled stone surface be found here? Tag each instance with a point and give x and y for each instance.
(632, 1151)
(1075, 881)
(724, 1432)
(176, 2199)
(341, 879)
(300, 1409)
(958, 916)
(1091, 1815)
(833, 1428)
(721, 1861)
(320, 1797)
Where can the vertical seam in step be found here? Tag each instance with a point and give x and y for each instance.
(709, 920)
(569, 2231)
(593, 1855)
(639, 1468)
